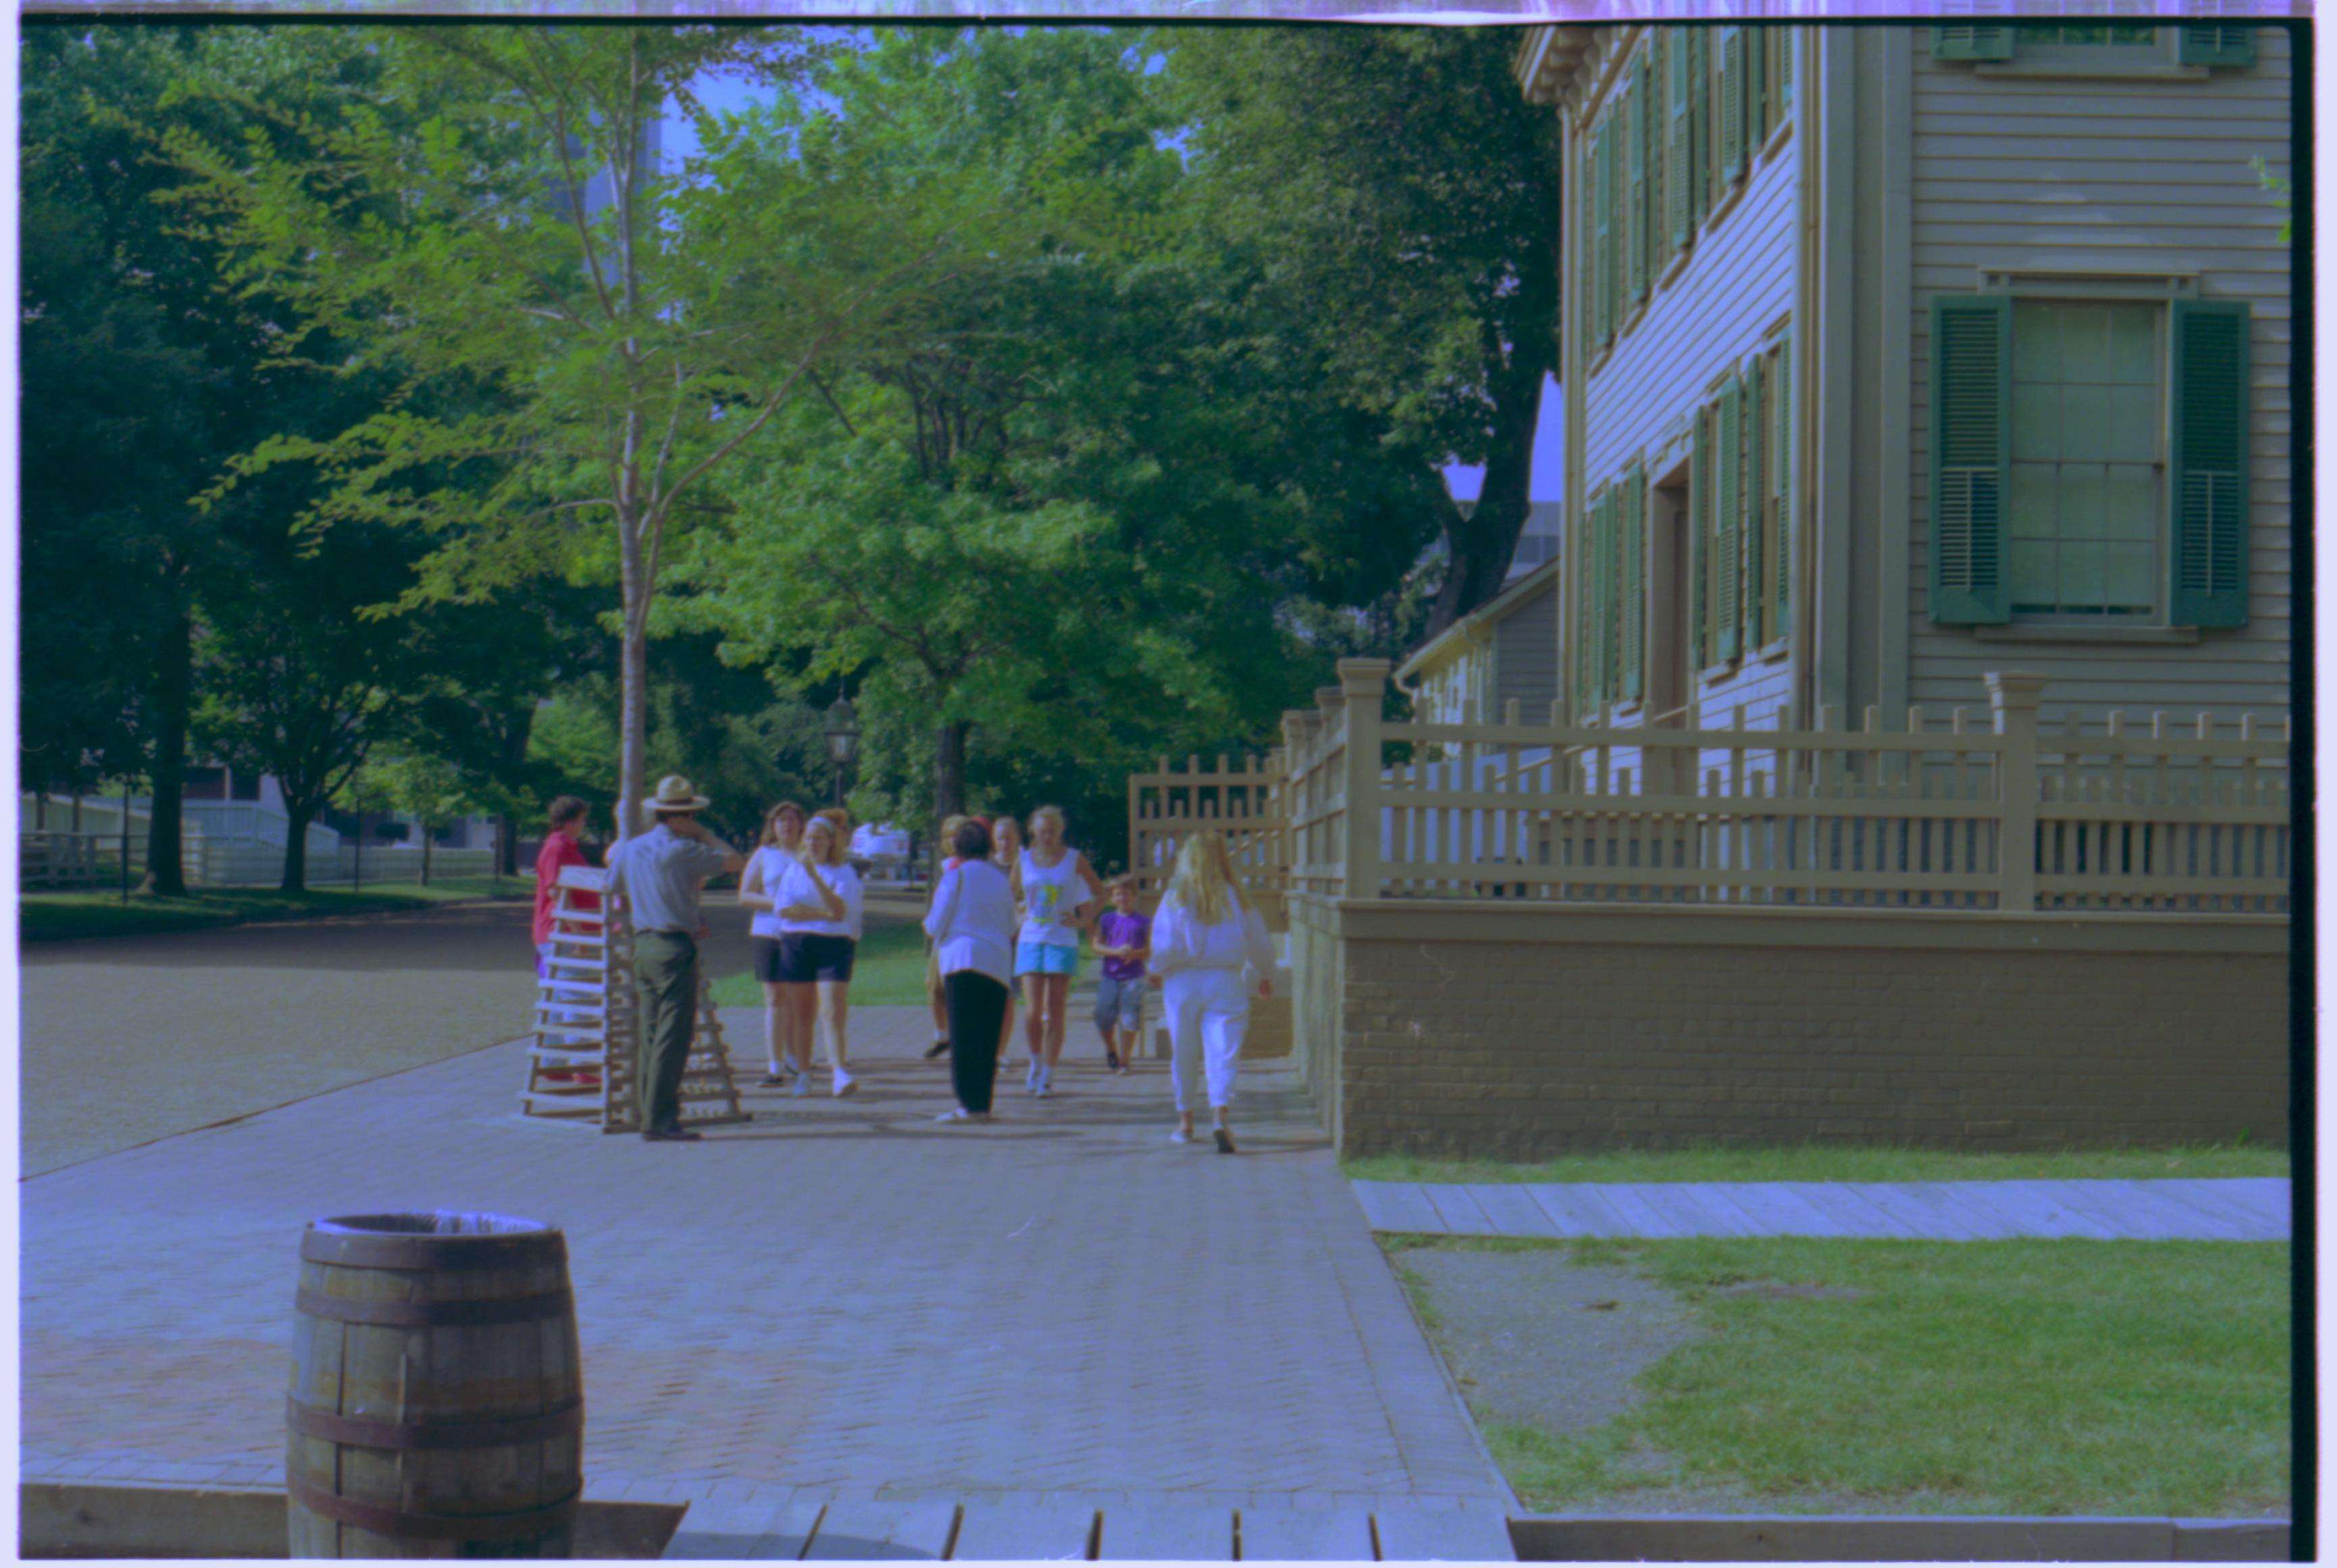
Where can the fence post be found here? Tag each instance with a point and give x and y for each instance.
(1362, 682)
(2013, 695)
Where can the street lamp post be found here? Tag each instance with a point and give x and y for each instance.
(843, 742)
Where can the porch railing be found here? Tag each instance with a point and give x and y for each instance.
(1988, 811)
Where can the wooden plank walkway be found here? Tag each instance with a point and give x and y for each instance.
(2229, 1209)
(1043, 1530)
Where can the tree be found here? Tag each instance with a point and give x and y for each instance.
(428, 788)
(1039, 519)
(138, 384)
(296, 681)
(601, 334)
(1398, 199)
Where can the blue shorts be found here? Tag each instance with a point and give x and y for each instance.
(1045, 958)
(1119, 1004)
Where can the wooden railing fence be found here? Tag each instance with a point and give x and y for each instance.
(2115, 816)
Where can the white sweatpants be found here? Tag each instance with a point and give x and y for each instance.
(1208, 1012)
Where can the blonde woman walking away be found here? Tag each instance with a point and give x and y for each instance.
(1047, 883)
(971, 923)
(783, 829)
(1208, 950)
(819, 908)
(937, 994)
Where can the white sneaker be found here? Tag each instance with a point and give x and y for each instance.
(802, 1086)
(1030, 1079)
(1045, 1091)
(844, 1083)
(1181, 1136)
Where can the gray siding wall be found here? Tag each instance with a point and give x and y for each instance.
(1733, 295)
(2082, 174)
(1525, 658)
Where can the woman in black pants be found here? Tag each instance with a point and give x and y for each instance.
(971, 923)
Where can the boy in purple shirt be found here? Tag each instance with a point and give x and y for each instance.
(1123, 939)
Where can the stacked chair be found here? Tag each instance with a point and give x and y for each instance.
(579, 1064)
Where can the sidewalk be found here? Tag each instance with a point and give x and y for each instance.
(839, 1304)
(2237, 1209)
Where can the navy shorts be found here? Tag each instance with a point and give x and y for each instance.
(799, 957)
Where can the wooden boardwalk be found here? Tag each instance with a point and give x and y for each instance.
(2246, 1209)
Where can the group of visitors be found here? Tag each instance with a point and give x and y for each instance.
(1005, 914)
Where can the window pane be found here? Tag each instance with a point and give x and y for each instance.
(2084, 526)
(2133, 576)
(2083, 498)
(2133, 423)
(2036, 420)
(2033, 500)
(2029, 563)
(2081, 576)
(2130, 500)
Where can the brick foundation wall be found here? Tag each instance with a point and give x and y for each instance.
(1523, 1032)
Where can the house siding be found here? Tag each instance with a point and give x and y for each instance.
(1733, 295)
(2073, 174)
(1525, 658)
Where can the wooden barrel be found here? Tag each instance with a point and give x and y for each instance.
(437, 1406)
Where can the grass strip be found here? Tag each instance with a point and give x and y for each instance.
(1835, 1163)
(2028, 1376)
(889, 970)
(67, 917)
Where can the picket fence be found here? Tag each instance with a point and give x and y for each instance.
(2116, 815)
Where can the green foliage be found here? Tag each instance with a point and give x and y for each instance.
(1391, 202)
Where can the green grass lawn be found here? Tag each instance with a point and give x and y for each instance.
(2031, 1377)
(889, 970)
(1821, 1163)
(59, 916)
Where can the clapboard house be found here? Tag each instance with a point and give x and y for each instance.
(1894, 355)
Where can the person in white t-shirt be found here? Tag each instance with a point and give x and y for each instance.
(1208, 953)
(783, 831)
(818, 903)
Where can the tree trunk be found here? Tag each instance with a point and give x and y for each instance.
(1480, 545)
(166, 832)
(506, 845)
(949, 776)
(296, 845)
(426, 852)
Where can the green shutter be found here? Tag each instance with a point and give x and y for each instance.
(1756, 559)
(1971, 42)
(1732, 104)
(1971, 456)
(1676, 142)
(1781, 486)
(1786, 37)
(1603, 204)
(1700, 126)
(2208, 417)
(1699, 522)
(1635, 194)
(1756, 88)
(2215, 45)
(1635, 582)
(1606, 596)
(1648, 209)
(1577, 633)
(1728, 498)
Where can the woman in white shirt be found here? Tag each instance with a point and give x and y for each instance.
(1208, 953)
(971, 923)
(818, 899)
(783, 828)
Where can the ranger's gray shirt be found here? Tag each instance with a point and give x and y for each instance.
(660, 874)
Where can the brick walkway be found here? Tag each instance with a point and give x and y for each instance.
(838, 1304)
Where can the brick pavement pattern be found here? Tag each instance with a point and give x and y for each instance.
(840, 1302)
